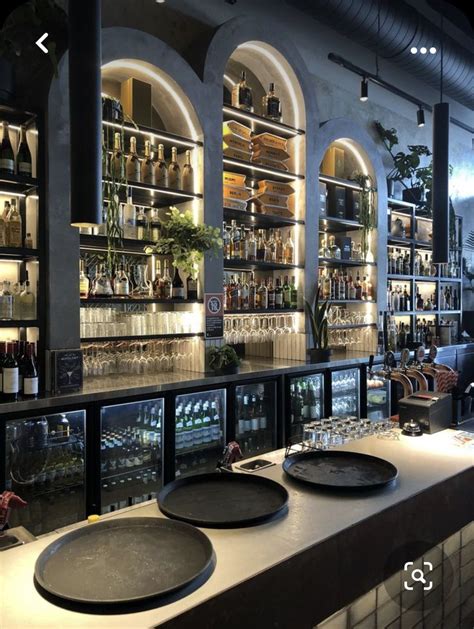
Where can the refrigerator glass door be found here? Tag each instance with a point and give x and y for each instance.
(45, 466)
(307, 401)
(199, 431)
(378, 398)
(131, 437)
(345, 393)
(255, 418)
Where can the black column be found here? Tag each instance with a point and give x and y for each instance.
(85, 111)
(440, 191)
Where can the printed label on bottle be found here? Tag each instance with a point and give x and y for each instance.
(7, 164)
(178, 293)
(30, 386)
(10, 380)
(24, 168)
(14, 229)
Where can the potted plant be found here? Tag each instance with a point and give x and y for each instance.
(223, 360)
(185, 241)
(318, 318)
(406, 166)
(367, 216)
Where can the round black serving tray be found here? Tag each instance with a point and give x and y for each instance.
(340, 470)
(123, 561)
(222, 500)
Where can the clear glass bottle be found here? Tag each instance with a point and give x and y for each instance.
(14, 226)
(242, 94)
(289, 251)
(155, 225)
(129, 217)
(174, 171)
(133, 166)
(3, 232)
(148, 166)
(167, 284)
(84, 283)
(102, 283)
(235, 236)
(261, 245)
(121, 282)
(334, 249)
(27, 303)
(225, 241)
(252, 247)
(6, 302)
(161, 169)
(271, 106)
(188, 174)
(279, 248)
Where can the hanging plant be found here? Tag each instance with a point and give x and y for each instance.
(186, 242)
(368, 218)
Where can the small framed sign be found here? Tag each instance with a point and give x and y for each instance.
(66, 370)
(214, 304)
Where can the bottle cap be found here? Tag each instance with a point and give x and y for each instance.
(93, 518)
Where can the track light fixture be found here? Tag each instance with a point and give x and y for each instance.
(420, 116)
(364, 89)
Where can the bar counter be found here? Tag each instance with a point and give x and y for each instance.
(296, 570)
(118, 387)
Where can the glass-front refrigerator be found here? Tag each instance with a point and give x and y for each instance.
(44, 465)
(378, 397)
(306, 401)
(255, 418)
(199, 431)
(345, 388)
(131, 453)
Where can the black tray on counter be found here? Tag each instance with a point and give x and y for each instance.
(340, 470)
(223, 500)
(127, 560)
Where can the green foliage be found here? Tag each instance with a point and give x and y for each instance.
(368, 217)
(221, 357)
(318, 319)
(185, 241)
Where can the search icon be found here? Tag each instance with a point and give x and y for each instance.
(418, 576)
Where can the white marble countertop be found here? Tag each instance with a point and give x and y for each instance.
(243, 553)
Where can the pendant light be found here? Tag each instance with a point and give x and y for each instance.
(440, 190)
(364, 90)
(420, 117)
(85, 113)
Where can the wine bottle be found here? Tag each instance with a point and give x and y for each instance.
(192, 287)
(10, 383)
(174, 171)
(148, 166)
(30, 373)
(166, 283)
(177, 286)
(23, 156)
(3, 232)
(7, 158)
(188, 174)
(133, 167)
(161, 169)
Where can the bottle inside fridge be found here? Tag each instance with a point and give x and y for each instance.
(255, 418)
(307, 401)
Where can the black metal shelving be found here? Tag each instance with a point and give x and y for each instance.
(337, 262)
(256, 171)
(256, 265)
(268, 311)
(333, 224)
(157, 196)
(18, 253)
(19, 323)
(256, 220)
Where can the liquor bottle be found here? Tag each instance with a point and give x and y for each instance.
(7, 158)
(188, 174)
(419, 301)
(278, 294)
(226, 241)
(261, 245)
(364, 288)
(252, 293)
(252, 246)
(191, 287)
(10, 373)
(280, 249)
(235, 237)
(3, 231)
(129, 217)
(154, 225)
(157, 285)
(174, 171)
(121, 283)
(30, 373)
(102, 285)
(14, 226)
(289, 250)
(406, 299)
(148, 166)
(286, 288)
(161, 169)
(6, 302)
(455, 300)
(262, 296)
(133, 167)
(141, 223)
(293, 294)
(28, 243)
(244, 243)
(234, 293)
(244, 295)
(117, 166)
(271, 106)
(406, 264)
(271, 294)
(358, 287)
(242, 94)
(178, 286)
(27, 303)
(270, 249)
(334, 249)
(23, 156)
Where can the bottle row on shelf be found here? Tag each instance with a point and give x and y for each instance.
(400, 335)
(131, 281)
(251, 413)
(242, 98)
(340, 248)
(400, 263)
(339, 285)
(241, 243)
(120, 493)
(17, 302)
(198, 423)
(305, 400)
(124, 449)
(11, 227)
(399, 300)
(11, 164)
(244, 293)
(18, 370)
(151, 168)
